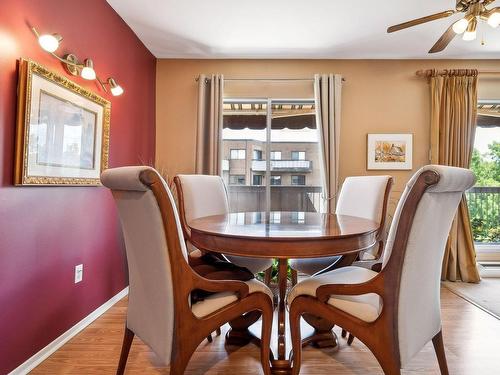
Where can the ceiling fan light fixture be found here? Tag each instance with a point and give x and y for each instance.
(494, 19)
(470, 33)
(460, 26)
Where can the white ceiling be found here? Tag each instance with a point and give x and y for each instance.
(297, 29)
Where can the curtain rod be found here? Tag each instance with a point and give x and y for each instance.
(265, 79)
(429, 72)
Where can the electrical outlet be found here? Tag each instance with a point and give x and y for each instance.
(78, 273)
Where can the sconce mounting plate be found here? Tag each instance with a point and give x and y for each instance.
(72, 66)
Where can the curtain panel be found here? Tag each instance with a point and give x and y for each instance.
(453, 125)
(209, 127)
(327, 97)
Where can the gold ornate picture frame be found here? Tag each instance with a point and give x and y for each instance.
(62, 135)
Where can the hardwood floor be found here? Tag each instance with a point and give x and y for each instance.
(471, 336)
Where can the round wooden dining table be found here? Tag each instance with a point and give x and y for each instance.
(283, 235)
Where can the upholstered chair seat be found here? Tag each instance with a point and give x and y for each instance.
(204, 195)
(366, 307)
(217, 301)
(362, 196)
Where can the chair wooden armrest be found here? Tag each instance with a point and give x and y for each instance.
(239, 287)
(375, 285)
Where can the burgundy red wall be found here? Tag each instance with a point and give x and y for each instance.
(46, 231)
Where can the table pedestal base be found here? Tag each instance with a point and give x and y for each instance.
(281, 367)
(323, 336)
(239, 334)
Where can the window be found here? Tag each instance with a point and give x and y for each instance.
(298, 179)
(257, 179)
(270, 130)
(275, 155)
(238, 154)
(275, 180)
(298, 155)
(236, 179)
(298, 217)
(484, 198)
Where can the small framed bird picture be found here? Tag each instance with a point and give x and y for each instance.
(389, 151)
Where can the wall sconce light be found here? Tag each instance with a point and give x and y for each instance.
(85, 69)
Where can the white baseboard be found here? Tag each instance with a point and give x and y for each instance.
(43, 354)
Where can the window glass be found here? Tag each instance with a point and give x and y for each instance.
(484, 198)
(257, 179)
(236, 179)
(275, 180)
(257, 154)
(238, 154)
(298, 155)
(298, 179)
(275, 155)
(287, 178)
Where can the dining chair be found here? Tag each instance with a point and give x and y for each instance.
(206, 195)
(160, 279)
(362, 196)
(397, 311)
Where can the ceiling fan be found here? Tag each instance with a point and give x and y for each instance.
(473, 11)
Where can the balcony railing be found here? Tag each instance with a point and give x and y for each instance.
(283, 165)
(484, 211)
(283, 198)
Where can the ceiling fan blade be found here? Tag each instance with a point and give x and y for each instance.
(443, 42)
(419, 21)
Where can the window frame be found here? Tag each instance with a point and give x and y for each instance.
(297, 175)
(299, 154)
(237, 176)
(276, 152)
(274, 177)
(261, 179)
(238, 154)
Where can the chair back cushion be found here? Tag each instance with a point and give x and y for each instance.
(203, 195)
(363, 196)
(150, 313)
(419, 318)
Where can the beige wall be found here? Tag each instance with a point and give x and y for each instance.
(379, 96)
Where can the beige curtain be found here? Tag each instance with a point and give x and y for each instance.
(327, 95)
(453, 123)
(209, 129)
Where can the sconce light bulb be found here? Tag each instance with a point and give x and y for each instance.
(494, 19)
(460, 26)
(88, 71)
(116, 89)
(49, 42)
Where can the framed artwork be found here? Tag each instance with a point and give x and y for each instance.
(62, 135)
(390, 151)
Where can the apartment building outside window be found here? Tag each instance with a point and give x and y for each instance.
(257, 154)
(236, 179)
(238, 154)
(298, 179)
(264, 143)
(275, 180)
(257, 179)
(298, 155)
(275, 155)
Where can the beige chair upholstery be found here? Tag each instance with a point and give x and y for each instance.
(205, 195)
(151, 311)
(418, 303)
(419, 317)
(361, 196)
(366, 307)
